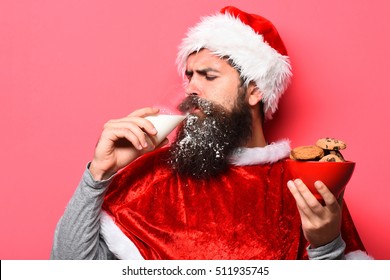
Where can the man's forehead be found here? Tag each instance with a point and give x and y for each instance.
(206, 61)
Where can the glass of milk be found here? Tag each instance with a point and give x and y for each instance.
(165, 124)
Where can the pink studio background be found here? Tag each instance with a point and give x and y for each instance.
(66, 67)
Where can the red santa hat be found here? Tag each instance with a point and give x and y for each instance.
(251, 42)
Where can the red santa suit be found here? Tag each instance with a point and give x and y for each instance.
(150, 212)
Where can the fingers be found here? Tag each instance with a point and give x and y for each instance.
(329, 199)
(135, 128)
(306, 201)
(138, 140)
(129, 129)
(302, 193)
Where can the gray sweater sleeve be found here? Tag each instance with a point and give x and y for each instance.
(77, 235)
(331, 251)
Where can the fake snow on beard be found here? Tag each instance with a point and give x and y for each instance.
(204, 142)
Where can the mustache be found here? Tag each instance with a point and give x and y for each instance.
(191, 103)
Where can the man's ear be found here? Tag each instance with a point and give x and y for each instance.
(254, 94)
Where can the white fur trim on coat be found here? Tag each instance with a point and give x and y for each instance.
(261, 155)
(358, 255)
(118, 243)
(225, 35)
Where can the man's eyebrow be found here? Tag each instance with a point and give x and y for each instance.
(201, 71)
(206, 70)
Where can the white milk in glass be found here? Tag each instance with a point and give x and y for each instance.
(165, 124)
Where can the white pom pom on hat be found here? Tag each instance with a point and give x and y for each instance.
(251, 42)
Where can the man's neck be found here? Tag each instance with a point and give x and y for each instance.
(257, 139)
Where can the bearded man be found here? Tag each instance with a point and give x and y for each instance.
(219, 191)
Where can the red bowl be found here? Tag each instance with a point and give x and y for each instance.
(335, 175)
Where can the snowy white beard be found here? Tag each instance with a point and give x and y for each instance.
(197, 152)
(205, 142)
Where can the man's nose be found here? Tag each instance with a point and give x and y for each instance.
(193, 88)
